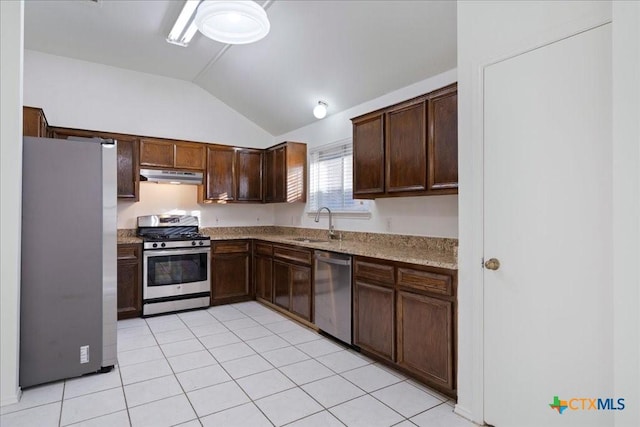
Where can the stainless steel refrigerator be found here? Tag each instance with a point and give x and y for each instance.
(68, 284)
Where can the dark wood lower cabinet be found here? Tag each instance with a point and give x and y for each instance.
(374, 319)
(301, 291)
(129, 281)
(281, 294)
(404, 315)
(263, 268)
(230, 271)
(425, 337)
(292, 280)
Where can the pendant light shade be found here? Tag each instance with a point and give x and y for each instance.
(232, 22)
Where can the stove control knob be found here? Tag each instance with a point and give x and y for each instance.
(201, 243)
(163, 244)
(193, 243)
(155, 245)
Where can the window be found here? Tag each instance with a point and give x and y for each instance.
(331, 179)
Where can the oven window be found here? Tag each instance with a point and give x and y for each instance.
(176, 269)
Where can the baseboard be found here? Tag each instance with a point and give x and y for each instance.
(12, 399)
(463, 412)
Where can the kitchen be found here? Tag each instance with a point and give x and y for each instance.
(434, 216)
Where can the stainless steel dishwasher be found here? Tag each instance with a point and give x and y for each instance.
(332, 304)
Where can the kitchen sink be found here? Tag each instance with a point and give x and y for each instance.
(307, 240)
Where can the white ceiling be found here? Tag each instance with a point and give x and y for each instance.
(343, 52)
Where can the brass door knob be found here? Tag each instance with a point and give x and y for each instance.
(492, 264)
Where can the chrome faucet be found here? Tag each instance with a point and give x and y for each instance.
(332, 234)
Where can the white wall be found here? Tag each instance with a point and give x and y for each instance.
(435, 216)
(182, 199)
(489, 31)
(626, 206)
(86, 95)
(11, 42)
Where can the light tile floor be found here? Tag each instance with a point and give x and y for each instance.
(235, 365)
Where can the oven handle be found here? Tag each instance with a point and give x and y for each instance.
(152, 253)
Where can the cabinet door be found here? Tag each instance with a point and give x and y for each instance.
(269, 184)
(127, 158)
(189, 156)
(279, 174)
(129, 281)
(128, 180)
(230, 276)
(374, 319)
(425, 337)
(33, 122)
(281, 285)
(219, 179)
(301, 291)
(156, 153)
(248, 171)
(406, 148)
(443, 139)
(263, 278)
(368, 155)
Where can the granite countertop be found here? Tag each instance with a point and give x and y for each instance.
(428, 251)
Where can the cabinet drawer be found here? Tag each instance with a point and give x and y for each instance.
(425, 281)
(296, 255)
(379, 272)
(264, 249)
(128, 251)
(231, 247)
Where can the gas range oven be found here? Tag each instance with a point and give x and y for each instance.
(176, 261)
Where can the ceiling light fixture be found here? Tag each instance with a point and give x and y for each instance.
(183, 20)
(320, 110)
(232, 22)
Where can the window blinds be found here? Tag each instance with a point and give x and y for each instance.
(331, 178)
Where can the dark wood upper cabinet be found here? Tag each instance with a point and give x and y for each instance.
(285, 177)
(268, 177)
(408, 149)
(34, 123)
(279, 174)
(156, 153)
(443, 139)
(219, 178)
(128, 172)
(165, 153)
(248, 172)
(368, 155)
(189, 156)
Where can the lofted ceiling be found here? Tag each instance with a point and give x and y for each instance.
(343, 52)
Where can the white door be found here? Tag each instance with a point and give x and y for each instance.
(547, 219)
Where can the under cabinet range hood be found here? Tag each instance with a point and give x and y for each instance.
(168, 176)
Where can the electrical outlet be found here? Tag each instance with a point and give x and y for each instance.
(258, 219)
(84, 354)
(389, 224)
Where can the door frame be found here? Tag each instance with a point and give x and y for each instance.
(471, 254)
